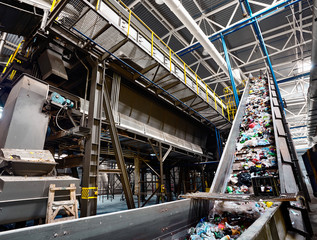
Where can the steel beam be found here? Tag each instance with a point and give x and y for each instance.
(161, 173)
(245, 22)
(92, 145)
(117, 149)
(56, 11)
(233, 84)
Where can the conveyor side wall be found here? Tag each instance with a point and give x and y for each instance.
(227, 158)
(162, 221)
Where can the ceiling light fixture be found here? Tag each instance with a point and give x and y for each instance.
(205, 53)
(159, 2)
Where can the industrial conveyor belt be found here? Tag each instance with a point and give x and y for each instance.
(258, 164)
(290, 180)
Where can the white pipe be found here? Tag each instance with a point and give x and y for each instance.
(177, 8)
(2, 41)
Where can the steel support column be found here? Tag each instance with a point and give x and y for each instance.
(92, 145)
(160, 158)
(161, 172)
(137, 178)
(234, 89)
(117, 149)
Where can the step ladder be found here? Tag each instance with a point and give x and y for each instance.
(55, 207)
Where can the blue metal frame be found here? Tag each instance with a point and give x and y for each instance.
(240, 25)
(234, 89)
(294, 77)
(220, 142)
(298, 127)
(258, 32)
(219, 147)
(299, 137)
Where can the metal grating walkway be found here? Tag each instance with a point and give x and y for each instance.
(116, 34)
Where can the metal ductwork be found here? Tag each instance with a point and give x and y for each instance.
(177, 8)
(312, 91)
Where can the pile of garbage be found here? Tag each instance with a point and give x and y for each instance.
(255, 155)
(227, 220)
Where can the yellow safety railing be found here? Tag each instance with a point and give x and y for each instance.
(11, 59)
(186, 68)
(228, 93)
(54, 3)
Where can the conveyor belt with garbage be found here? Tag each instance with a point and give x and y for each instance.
(254, 171)
(251, 172)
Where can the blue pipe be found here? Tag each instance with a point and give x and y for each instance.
(218, 142)
(249, 10)
(294, 77)
(144, 77)
(244, 14)
(242, 24)
(268, 60)
(299, 137)
(233, 84)
(298, 127)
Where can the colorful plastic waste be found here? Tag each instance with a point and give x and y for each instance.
(255, 148)
(255, 158)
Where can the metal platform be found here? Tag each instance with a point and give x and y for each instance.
(116, 34)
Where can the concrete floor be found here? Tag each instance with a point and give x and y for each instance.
(117, 203)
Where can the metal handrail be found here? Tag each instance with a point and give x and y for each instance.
(186, 68)
(12, 58)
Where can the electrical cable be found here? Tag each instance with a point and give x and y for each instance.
(56, 118)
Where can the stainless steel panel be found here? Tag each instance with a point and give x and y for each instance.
(284, 150)
(23, 124)
(52, 65)
(158, 221)
(153, 132)
(131, 124)
(280, 127)
(270, 225)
